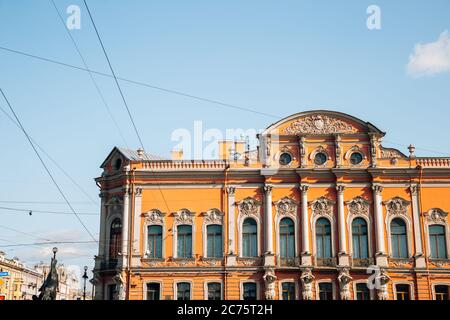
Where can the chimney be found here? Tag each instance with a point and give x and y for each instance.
(225, 148)
(140, 152)
(177, 154)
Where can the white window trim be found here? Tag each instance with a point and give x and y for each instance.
(369, 234)
(148, 223)
(313, 233)
(319, 149)
(289, 280)
(241, 220)
(411, 289)
(371, 291)
(433, 288)
(108, 222)
(409, 233)
(175, 289)
(205, 287)
(175, 226)
(144, 288)
(241, 288)
(446, 226)
(278, 219)
(333, 287)
(207, 223)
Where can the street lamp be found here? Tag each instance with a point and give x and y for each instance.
(85, 277)
(55, 250)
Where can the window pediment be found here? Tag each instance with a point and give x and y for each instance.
(213, 216)
(184, 216)
(397, 206)
(319, 124)
(358, 206)
(249, 206)
(286, 207)
(154, 216)
(322, 207)
(436, 215)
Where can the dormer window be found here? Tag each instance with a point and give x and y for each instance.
(320, 158)
(285, 159)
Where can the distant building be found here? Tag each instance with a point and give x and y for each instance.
(312, 214)
(69, 285)
(21, 283)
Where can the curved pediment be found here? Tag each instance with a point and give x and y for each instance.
(321, 122)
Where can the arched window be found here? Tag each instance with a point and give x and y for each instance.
(115, 238)
(214, 241)
(287, 238)
(184, 241)
(155, 242)
(399, 240)
(183, 291)
(249, 238)
(323, 238)
(438, 246)
(360, 239)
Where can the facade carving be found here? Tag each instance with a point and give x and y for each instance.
(213, 216)
(397, 206)
(436, 215)
(269, 279)
(358, 206)
(345, 279)
(319, 124)
(323, 207)
(249, 206)
(307, 279)
(286, 207)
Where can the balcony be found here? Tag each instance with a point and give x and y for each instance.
(287, 261)
(326, 262)
(111, 264)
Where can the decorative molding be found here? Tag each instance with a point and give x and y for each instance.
(213, 216)
(154, 216)
(345, 279)
(436, 215)
(307, 279)
(391, 153)
(267, 189)
(322, 207)
(340, 188)
(184, 216)
(249, 206)
(358, 206)
(269, 279)
(303, 188)
(377, 188)
(231, 191)
(319, 124)
(397, 206)
(286, 207)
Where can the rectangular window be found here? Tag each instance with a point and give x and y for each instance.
(153, 291)
(441, 292)
(214, 241)
(249, 291)
(402, 292)
(111, 292)
(155, 241)
(325, 291)
(184, 241)
(214, 291)
(437, 242)
(183, 291)
(362, 291)
(288, 290)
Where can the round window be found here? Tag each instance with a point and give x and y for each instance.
(320, 158)
(356, 158)
(285, 159)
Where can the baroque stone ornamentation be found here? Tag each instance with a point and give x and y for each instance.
(286, 207)
(319, 124)
(231, 191)
(436, 215)
(249, 206)
(307, 279)
(269, 279)
(154, 216)
(344, 279)
(389, 153)
(213, 216)
(397, 206)
(184, 216)
(322, 207)
(382, 281)
(358, 206)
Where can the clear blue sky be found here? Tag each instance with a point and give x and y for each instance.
(278, 57)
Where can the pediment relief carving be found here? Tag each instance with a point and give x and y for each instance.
(397, 206)
(319, 124)
(436, 215)
(358, 206)
(154, 216)
(184, 216)
(213, 216)
(249, 206)
(286, 207)
(322, 207)
(391, 153)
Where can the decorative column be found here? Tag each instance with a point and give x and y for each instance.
(302, 152)
(231, 257)
(343, 258)
(125, 219)
(419, 257)
(306, 252)
(381, 256)
(268, 226)
(102, 237)
(136, 252)
(338, 150)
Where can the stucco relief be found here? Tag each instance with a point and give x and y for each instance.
(319, 124)
(358, 206)
(307, 279)
(269, 279)
(286, 207)
(345, 279)
(184, 216)
(397, 206)
(383, 280)
(154, 216)
(213, 216)
(436, 215)
(322, 207)
(249, 206)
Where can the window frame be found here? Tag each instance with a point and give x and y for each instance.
(175, 288)
(192, 240)
(371, 291)
(241, 238)
(146, 243)
(241, 288)
(447, 237)
(144, 288)
(411, 289)
(352, 246)
(278, 235)
(205, 239)
(409, 236)
(314, 225)
(333, 288)
(209, 281)
(296, 288)
(433, 287)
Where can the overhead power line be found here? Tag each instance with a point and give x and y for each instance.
(114, 75)
(46, 243)
(97, 88)
(44, 165)
(32, 211)
(24, 233)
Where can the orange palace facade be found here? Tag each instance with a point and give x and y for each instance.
(321, 210)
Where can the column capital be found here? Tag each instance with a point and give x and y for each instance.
(138, 191)
(268, 189)
(231, 191)
(377, 188)
(304, 188)
(414, 189)
(340, 188)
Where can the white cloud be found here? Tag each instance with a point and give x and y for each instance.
(430, 58)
